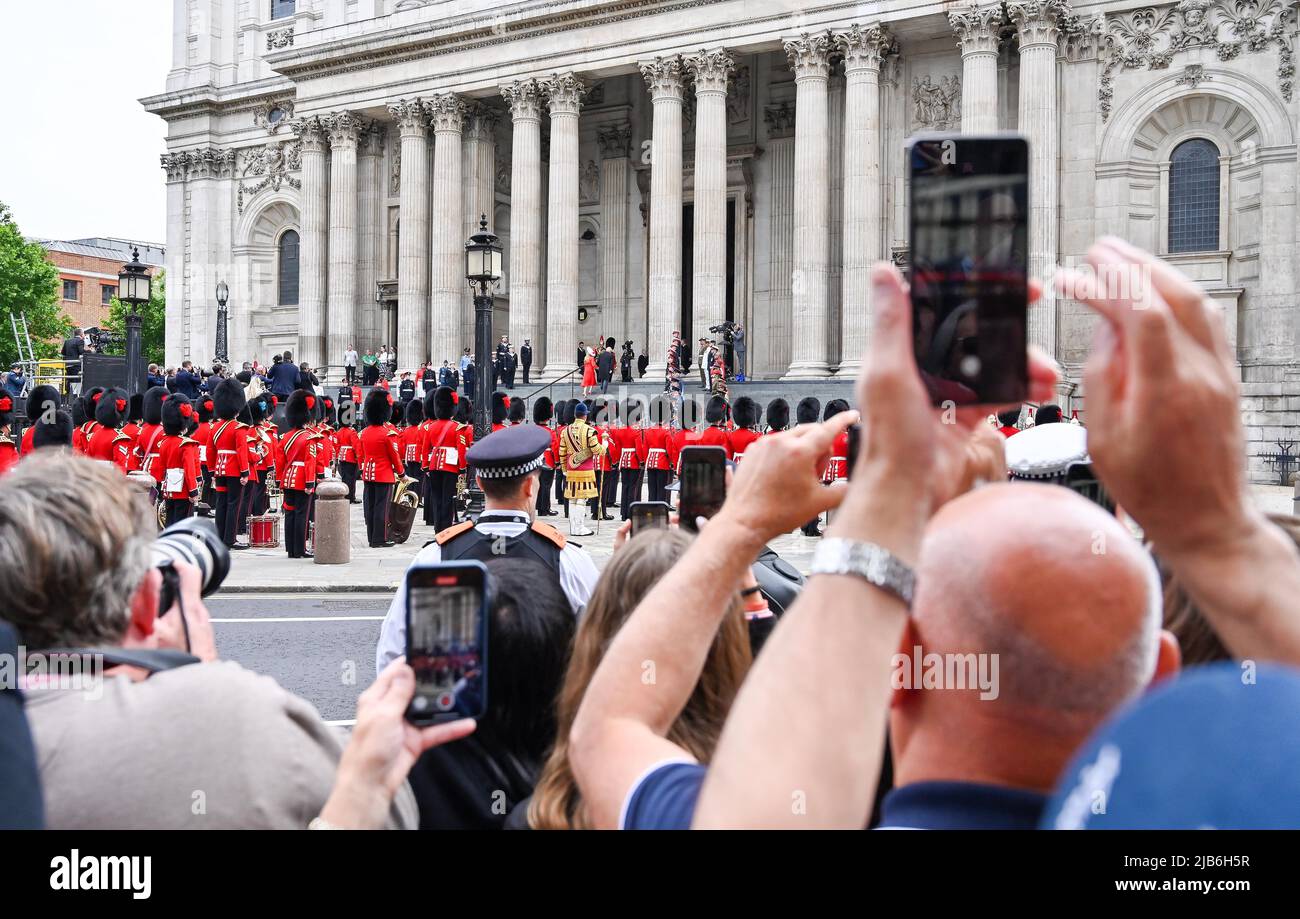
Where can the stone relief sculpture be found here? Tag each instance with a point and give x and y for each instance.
(936, 105)
(589, 183)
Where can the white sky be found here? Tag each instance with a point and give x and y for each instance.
(81, 155)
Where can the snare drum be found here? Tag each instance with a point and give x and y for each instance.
(264, 531)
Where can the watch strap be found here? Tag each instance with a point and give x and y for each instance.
(874, 564)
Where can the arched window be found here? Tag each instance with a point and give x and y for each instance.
(289, 268)
(1194, 197)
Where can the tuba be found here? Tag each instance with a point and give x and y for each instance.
(404, 494)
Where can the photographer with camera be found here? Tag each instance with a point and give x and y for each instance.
(172, 737)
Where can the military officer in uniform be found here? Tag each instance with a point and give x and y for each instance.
(580, 448)
(508, 464)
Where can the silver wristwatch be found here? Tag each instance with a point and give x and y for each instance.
(875, 565)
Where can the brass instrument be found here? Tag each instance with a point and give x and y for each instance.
(405, 494)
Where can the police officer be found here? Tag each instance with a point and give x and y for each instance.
(508, 463)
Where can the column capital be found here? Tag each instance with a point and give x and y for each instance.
(525, 99)
(564, 91)
(344, 129)
(615, 141)
(480, 119)
(177, 166)
(372, 139)
(1038, 22)
(865, 47)
(711, 70)
(411, 116)
(311, 135)
(977, 28)
(447, 113)
(663, 76)
(809, 55)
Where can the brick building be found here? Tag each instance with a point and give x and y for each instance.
(88, 270)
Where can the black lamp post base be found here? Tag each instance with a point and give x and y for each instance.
(134, 354)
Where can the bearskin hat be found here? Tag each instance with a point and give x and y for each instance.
(500, 407)
(176, 414)
(329, 416)
(518, 411)
(744, 411)
(40, 400)
(135, 411)
(154, 398)
(717, 410)
(228, 400)
(808, 410)
(633, 412)
(110, 408)
(691, 413)
(90, 399)
(298, 410)
(414, 412)
(778, 415)
(56, 433)
(564, 412)
(661, 411)
(205, 407)
(834, 407)
(464, 411)
(441, 403)
(378, 408)
(78, 412)
(543, 410)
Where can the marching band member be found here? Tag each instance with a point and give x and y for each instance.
(266, 466)
(86, 423)
(134, 423)
(106, 441)
(229, 458)
(603, 413)
(349, 444)
(441, 453)
(409, 441)
(563, 418)
(655, 437)
(518, 412)
(43, 405)
(465, 438)
(296, 470)
(630, 446)
(381, 465)
(202, 438)
(146, 443)
(715, 434)
(807, 412)
(8, 446)
(778, 416)
(177, 460)
(579, 449)
(745, 414)
(543, 413)
(500, 409)
(838, 467)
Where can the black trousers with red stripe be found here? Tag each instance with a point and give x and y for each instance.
(631, 484)
(230, 491)
(296, 510)
(375, 504)
(657, 484)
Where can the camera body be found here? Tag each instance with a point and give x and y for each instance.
(726, 329)
(196, 542)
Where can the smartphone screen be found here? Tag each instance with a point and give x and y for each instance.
(649, 515)
(969, 255)
(704, 484)
(446, 641)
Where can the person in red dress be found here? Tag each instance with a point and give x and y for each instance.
(177, 460)
(589, 373)
(8, 445)
(106, 441)
(381, 465)
(745, 413)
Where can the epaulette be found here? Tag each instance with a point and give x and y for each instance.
(550, 533)
(188, 440)
(452, 532)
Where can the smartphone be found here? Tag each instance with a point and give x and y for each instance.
(446, 641)
(649, 515)
(855, 434)
(968, 209)
(704, 484)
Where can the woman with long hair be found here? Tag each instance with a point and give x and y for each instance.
(630, 575)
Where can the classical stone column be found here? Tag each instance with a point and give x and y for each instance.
(177, 167)
(448, 287)
(977, 37)
(525, 100)
(615, 146)
(478, 173)
(313, 266)
(1038, 24)
(863, 50)
(711, 70)
(779, 153)
(344, 130)
(369, 193)
(413, 239)
(664, 77)
(809, 57)
(564, 91)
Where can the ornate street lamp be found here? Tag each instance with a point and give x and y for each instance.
(134, 286)
(483, 271)
(223, 297)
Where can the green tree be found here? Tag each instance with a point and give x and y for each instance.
(29, 286)
(153, 331)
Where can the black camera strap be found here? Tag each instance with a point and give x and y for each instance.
(154, 660)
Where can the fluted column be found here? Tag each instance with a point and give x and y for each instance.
(525, 101)
(447, 268)
(1038, 25)
(313, 265)
(370, 166)
(977, 37)
(864, 49)
(413, 239)
(478, 173)
(711, 70)
(344, 130)
(809, 57)
(664, 77)
(564, 91)
(615, 146)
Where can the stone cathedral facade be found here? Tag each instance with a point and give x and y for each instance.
(660, 165)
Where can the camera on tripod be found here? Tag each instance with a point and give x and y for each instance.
(726, 329)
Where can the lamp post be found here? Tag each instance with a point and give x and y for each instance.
(223, 297)
(134, 286)
(483, 271)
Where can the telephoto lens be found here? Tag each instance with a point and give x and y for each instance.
(194, 541)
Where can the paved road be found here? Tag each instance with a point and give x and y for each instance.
(320, 646)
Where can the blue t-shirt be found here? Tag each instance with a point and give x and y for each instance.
(664, 798)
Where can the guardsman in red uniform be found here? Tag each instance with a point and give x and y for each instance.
(202, 438)
(266, 466)
(43, 404)
(629, 449)
(260, 458)
(229, 458)
(604, 414)
(518, 412)
(349, 444)
(409, 442)
(8, 446)
(745, 414)
(134, 415)
(778, 416)
(807, 412)
(381, 465)
(440, 457)
(86, 424)
(177, 460)
(145, 454)
(107, 442)
(464, 419)
(716, 413)
(500, 409)
(296, 469)
(563, 417)
(656, 438)
(543, 413)
(838, 467)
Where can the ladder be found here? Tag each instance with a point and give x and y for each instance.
(23, 339)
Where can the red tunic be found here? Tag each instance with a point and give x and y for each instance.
(132, 430)
(465, 435)
(838, 467)
(28, 443)
(349, 442)
(228, 457)
(146, 450)
(714, 436)
(81, 436)
(296, 460)
(409, 442)
(553, 451)
(269, 438)
(629, 447)
(203, 440)
(380, 460)
(657, 444)
(110, 444)
(8, 454)
(441, 447)
(178, 465)
(739, 441)
(607, 460)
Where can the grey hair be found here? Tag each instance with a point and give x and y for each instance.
(74, 546)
